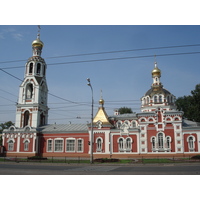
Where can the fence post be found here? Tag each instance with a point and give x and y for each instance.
(65, 159)
(52, 159)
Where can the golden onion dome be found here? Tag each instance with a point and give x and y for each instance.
(101, 102)
(37, 42)
(156, 71)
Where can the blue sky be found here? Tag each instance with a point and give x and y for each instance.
(123, 82)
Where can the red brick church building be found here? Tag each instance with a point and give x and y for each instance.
(159, 129)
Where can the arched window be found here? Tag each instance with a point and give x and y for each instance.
(147, 100)
(31, 68)
(160, 140)
(121, 144)
(160, 99)
(99, 144)
(153, 143)
(191, 143)
(38, 68)
(26, 145)
(10, 145)
(42, 119)
(168, 99)
(168, 142)
(26, 118)
(155, 99)
(128, 144)
(29, 91)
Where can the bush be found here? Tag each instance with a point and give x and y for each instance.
(36, 158)
(106, 160)
(195, 157)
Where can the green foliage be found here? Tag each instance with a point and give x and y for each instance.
(4, 126)
(125, 110)
(190, 104)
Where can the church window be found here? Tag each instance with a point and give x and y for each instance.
(29, 91)
(160, 140)
(128, 144)
(99, 144)
(26, 145)
(191, 143)
(147, 100)
(49, 145)
(42, 119)
(38, 68)
(168, 99)
(168, 142)
(26, 118)
(121, 144)
(153, 140)
(70, 145)
(10, 145)
(160, 99)
(155, 99)
(58, 145)
(80, 145)
(31, 68)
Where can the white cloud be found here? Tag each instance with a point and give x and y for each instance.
(11, 32)
(17, 36)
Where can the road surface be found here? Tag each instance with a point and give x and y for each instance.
(7, 168)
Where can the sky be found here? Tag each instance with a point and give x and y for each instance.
(122, 81)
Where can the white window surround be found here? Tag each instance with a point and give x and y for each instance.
(11, 144)
(50, 145)
(80, 145)
(191, 143)
(124, 144)
(58, 146)
(70, 144)
(99, 142)
(26, 144)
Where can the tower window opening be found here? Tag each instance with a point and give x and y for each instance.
(42, 119)
(38, 68)
(155, 99)
(160, 99)
(31, 68)
(26, 118)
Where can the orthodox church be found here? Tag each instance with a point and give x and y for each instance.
(159, 129)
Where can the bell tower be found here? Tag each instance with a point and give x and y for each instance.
(32, 109)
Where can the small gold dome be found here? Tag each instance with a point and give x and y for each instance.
(101, 102)
(156, 71)
(37, 42)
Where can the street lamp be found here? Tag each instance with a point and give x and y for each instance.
(91, 135)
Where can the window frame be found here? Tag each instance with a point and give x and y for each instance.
(74, 145)
(80, 139)
(56, 140)
(48, 145)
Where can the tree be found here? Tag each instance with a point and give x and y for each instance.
(4, 126)
(125, 110)
(190, 104)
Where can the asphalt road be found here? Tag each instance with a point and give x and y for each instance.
(98, 169)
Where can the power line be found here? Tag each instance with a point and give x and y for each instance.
(109, 59)
(110, 52)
